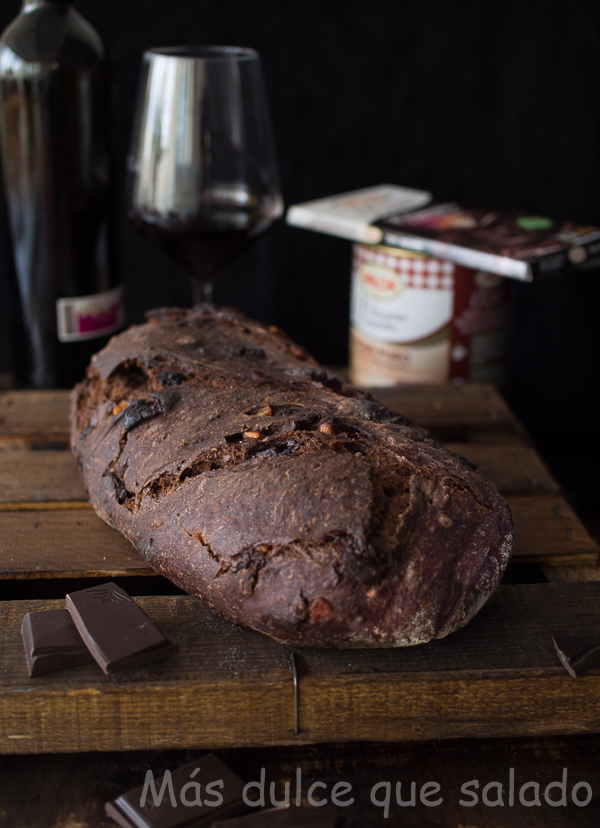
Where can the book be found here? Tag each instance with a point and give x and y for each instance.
(517, 245)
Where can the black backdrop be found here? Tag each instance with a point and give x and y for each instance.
(493, 102)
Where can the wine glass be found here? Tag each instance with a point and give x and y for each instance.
(203, 176)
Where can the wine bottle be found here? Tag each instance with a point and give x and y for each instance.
(56, 147)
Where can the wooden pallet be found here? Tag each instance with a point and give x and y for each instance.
(232, 687)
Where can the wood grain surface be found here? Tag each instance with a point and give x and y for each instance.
(451, 408)
(66, 539)
(34, 416)
(34, 481)
(64, 543)
(39, 415)
(39, 476)
(32, 475)
(547, 529)
(573, 572)
(230, 686)
(510, 467)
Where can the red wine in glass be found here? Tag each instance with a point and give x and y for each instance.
(203, 175)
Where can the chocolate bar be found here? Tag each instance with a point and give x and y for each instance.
(193, 795)
(517, 245)
(117, 632)
(52, 642)
(286, 818)
(577, 656)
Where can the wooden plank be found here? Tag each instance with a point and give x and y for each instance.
(231, 687)
(547, 529)
(48, 506)
(39, 476)
(62, 541)
(579, 572)
(43, 415)
(71, 789)
(510, 467)
(451, 408)
(35, 415)
(29, 476)
(64, 544)
(31, 481)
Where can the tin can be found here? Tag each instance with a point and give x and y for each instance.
(414, 319)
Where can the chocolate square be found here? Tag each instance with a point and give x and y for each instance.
(117, 632)
(128, 811)
(52, 642)
(576, 655)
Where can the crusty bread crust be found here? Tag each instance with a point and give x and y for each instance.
(290, 502)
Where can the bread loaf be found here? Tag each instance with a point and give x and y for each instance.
(288, 501)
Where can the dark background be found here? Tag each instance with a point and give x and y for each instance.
(496, 103)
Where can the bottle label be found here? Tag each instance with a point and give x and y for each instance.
(89, 317)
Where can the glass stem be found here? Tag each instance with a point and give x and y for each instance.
(202, 292)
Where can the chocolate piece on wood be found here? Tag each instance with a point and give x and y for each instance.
(52, 642)
(117, 632)
(286, 818)
(207, 781)
(576, 655)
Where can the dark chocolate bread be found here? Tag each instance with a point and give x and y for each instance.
(288, 501)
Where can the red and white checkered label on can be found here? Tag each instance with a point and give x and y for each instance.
(415, 271)
(422, 320)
